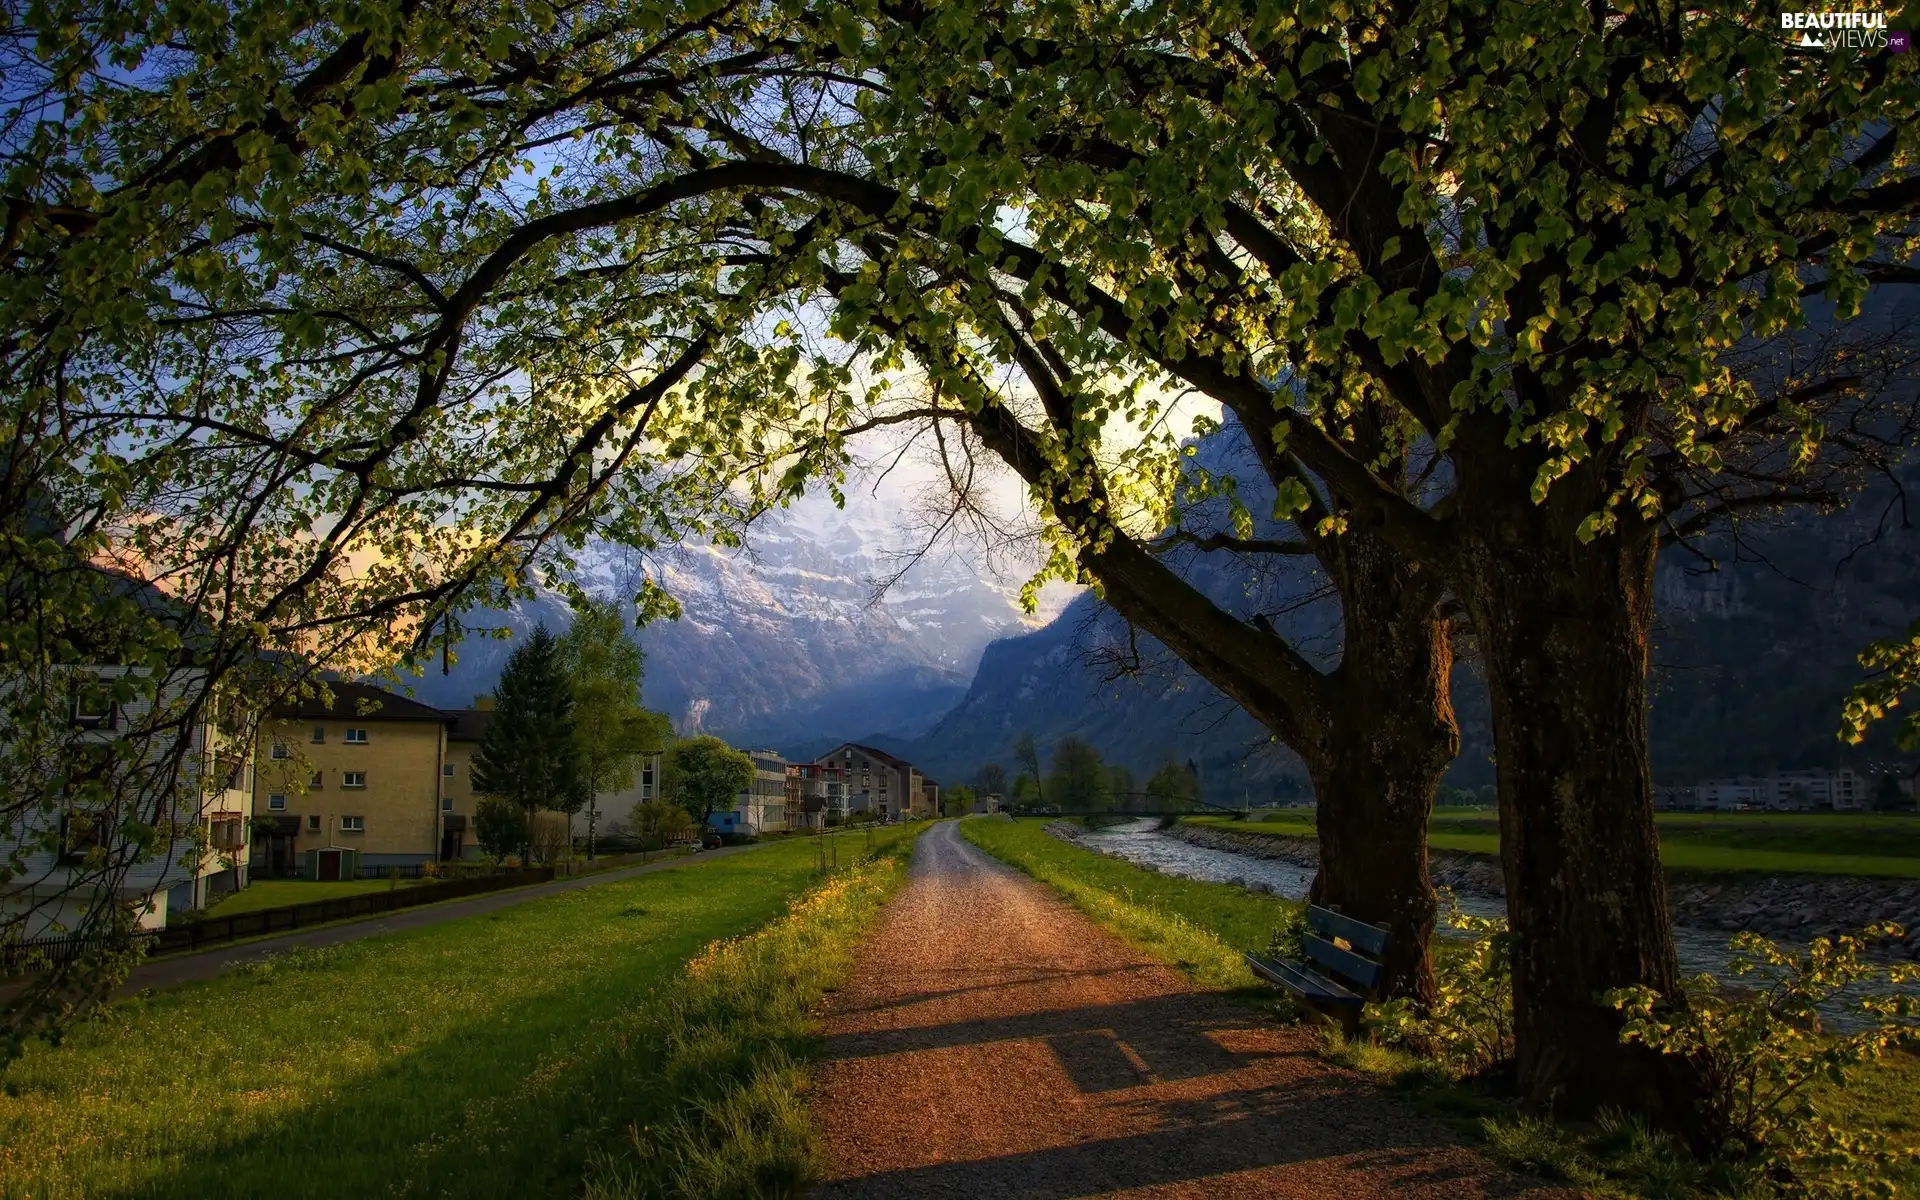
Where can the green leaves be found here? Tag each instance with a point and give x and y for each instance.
(1761, 1046)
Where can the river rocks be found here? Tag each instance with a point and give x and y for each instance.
(1794, 908)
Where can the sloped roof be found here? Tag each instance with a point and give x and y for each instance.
(467, 724)
(870, 752)
(361, 700)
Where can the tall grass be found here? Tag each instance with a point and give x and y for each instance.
(726, 1045)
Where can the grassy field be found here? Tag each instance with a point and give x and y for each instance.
(489, 1056)
(1786, 843)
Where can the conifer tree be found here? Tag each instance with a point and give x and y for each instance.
(527, 754)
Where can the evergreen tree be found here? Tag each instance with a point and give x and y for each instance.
(527, 755)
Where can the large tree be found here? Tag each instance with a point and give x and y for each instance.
(1471, 275)
(703, 774)
(611, 728)
(287, 337)
(527, 754)
(1174, 785)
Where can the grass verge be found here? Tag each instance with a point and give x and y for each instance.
(1202, 928)
(488, 1056)
(727, 1045)
(1706, 843)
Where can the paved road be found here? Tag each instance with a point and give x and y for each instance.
(995, 1042)
(189, 968)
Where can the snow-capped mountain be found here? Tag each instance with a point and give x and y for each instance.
(782, 643)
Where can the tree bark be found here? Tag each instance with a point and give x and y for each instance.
(1389, 735)
(1563, 627)
(1376, 733)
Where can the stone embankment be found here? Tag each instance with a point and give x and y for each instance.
(1789, 907)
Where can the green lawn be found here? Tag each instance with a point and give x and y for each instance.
(1788, 843)
(275, 893)
(487, 1056)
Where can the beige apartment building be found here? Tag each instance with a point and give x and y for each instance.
(358, 784)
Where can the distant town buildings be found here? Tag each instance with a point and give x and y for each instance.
(1841, 790)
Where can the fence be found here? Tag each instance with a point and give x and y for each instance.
(51, 951)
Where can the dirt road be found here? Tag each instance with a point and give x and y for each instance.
(995, 1043)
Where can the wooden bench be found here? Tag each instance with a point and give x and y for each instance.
(1343, 971)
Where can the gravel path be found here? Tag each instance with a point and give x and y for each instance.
(994, 1042)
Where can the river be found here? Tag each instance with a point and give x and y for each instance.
(1700, 950)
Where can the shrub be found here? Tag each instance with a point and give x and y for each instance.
(1470, 1026)
(1761, 1047)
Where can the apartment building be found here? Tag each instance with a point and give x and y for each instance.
(355, 782)
(1842, 790)
(881, 783)
(762, 808)
(199, 814)
(815, 793)
(616, 808)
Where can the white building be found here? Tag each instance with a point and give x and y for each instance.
(200, 813)
(616, 808)
(762, 808)
(1842, 790)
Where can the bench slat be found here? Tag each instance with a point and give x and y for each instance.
(1367, 939)
(1346, 963)
(1299, 979)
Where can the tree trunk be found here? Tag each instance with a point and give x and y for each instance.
(1563, 627)
(1389, 734)
(1376, 733)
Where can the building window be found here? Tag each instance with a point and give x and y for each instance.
(446, 769)
(93, 706)
(81, 832)
(446, 804)
(228, 835)
(319, 734)
(313, 823)
(276, 802)
(280, 753)
(356, 737)
(319, 780)
(353, 779)
(353, 824)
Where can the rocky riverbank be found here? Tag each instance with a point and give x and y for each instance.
(1788, 907)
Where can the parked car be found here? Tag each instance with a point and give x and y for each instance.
(712, 841)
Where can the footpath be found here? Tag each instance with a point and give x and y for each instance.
(994, 1041)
